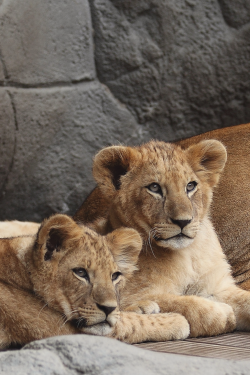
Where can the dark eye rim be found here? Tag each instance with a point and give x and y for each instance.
(84, 276)
(117, 274)
(194, 186)
(159, 188)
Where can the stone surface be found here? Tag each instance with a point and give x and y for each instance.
(180, 66)
(7, 137)
(174, 68)
(59, 131)
(46, 41)
(82, 354)
(236, 14)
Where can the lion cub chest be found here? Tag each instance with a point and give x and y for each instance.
(194, 270)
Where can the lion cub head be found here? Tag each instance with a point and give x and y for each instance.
(159, 188)
(80, 273)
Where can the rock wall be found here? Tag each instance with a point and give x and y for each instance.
(76, 76)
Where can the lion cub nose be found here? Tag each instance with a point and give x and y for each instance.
(106, 309)
(181, 223)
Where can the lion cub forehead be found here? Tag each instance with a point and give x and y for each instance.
(168, 153)
(95, 248)
(163, 157)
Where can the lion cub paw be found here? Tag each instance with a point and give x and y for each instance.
(144, 307)
(177, 327)
(230, 319)
(213, 320)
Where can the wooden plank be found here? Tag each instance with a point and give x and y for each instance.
(236, 339)
(229, 346)
(199, 350)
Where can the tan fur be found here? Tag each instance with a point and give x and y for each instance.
(230, 207)
(182, 270)
(42, 293)
(17, 228)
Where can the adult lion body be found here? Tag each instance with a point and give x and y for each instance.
(165, 192)
(67, 280)
(231, 203)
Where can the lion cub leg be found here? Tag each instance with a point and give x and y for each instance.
(239, 300)
(144, 307)
(133, 328)
(206, 317)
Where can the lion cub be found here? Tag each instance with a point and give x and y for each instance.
(165, 193)
(67, 280)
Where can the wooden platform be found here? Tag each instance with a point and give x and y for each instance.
(229, 346)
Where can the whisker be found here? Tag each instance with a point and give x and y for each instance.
(46, 304)
(79, 321)
(78, 298)
(66, 319)
(150, 243)
(146, 248)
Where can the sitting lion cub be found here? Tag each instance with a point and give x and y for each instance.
(67, 279)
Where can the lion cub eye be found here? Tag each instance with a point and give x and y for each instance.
(191, 186)
(116, 275)
(155, 188)
(81, 272)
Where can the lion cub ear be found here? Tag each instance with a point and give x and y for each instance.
(56, 235)
(125, 245)
(207, 159)
(109, 165)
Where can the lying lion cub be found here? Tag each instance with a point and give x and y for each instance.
(165, 193)
(67, 279)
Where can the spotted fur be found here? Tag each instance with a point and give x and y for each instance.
(67, 279)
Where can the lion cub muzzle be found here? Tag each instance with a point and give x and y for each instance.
(181, 223)
(100, 314)
(177, 234)
(106, 309)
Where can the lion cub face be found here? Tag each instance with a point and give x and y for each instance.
(80, 273)
(160, 189)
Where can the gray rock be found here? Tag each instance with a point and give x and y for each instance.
(83, 354)
(59, 131)
(236, 14)
(180, 66)
(174, 68)
(43, 42)
(7, 137)
(2, 75)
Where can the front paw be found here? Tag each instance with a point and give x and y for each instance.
(144, 307)
(172, 327)
(211, 319)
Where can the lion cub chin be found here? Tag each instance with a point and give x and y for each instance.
(67, 279)
(165, 193)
